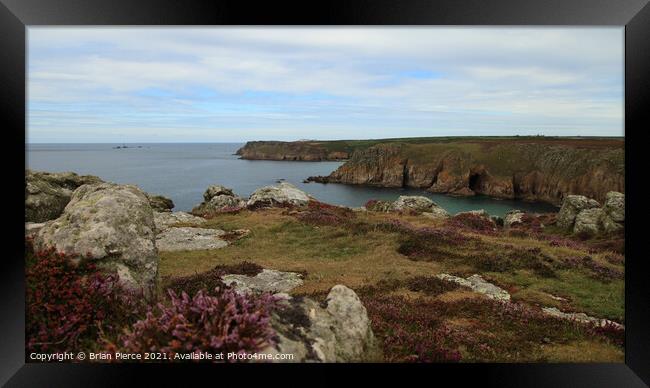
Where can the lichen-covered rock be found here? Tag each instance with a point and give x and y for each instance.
(478, 284)
(214, 190)
(571, 207)
(610, 226)
(588, 221)
(47, 194)
(581, 317)
(160, 203)
(164, 220)
(337, 330)
(418, 204)
(217, 198)
(282, 194)
(614, 206)
(266, 281)
(513, 217)
(32, 228)
(112, 225)
(190, 239)
(436, 213)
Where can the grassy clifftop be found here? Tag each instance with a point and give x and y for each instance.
(307, 147)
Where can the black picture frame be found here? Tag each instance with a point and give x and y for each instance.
(17, 15)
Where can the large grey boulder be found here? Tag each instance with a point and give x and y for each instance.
(610, 226)
(614, 206)
(588, 221)
(282, 194)
(47, 194)
(111, 224)
(337, 330)
(217, 198)
(572, 205)
(418, 204)
(614, 212)
(190, 239)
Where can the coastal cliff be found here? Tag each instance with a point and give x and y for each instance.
(533, 168)
(542, 171)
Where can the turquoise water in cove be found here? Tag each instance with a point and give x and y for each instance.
(183, 171)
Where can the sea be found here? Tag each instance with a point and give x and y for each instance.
(182, 172)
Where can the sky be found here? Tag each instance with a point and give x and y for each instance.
(226, 84)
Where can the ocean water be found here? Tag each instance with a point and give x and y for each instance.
(183, 171)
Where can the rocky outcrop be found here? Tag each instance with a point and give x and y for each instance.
(284, 194)
(418, 204)
(216, 199)
(571, 207)
(164, 220)
(588, 221)
(582, 215)
(47, 194)
(190, 239)
(613, 212)
(266, 281)
(512, 218)
(541, 171)
(111, 224)
(477, 284)
(581, 318)
(160, 203)
(337, 330)
(298, 151)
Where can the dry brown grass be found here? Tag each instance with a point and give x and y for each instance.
(278, 241)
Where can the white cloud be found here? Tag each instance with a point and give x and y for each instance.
(324, 81)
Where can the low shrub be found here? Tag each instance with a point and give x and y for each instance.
(222, 322)
(473, 222)
(516, 258)
(409, 332)
(430, 285)
(319, 213)
(71, 306)
(433, 244)
(211, 279)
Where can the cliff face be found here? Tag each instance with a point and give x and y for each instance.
(541, 172)
(299, 150)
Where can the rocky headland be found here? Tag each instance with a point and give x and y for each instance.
(296, 151)
(535, 169)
